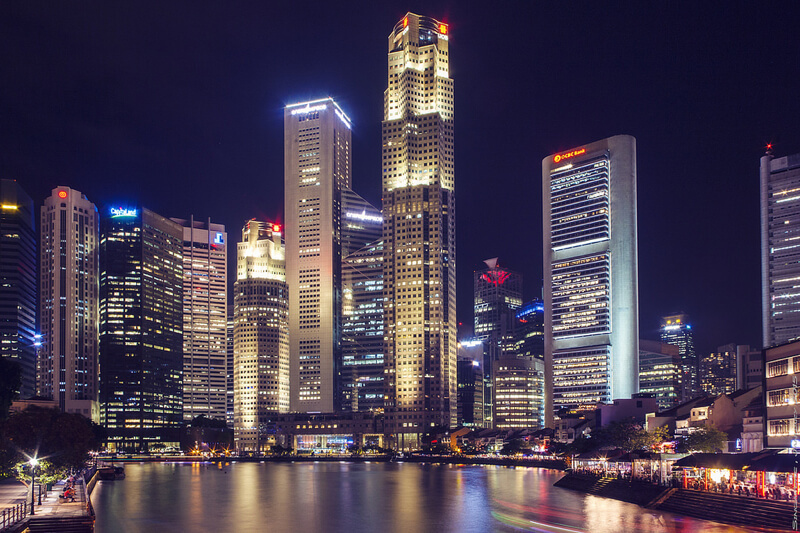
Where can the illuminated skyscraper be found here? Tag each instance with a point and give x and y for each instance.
(141, 329)
(590, 273)
(780, 267)
(317, 168)
(718, 371)
(18, 282)
(676, 330)
(497, 297)
(260, 335)
(419, 231)
(68, 291)
(660, 372)
(205, 301)
(518, 392)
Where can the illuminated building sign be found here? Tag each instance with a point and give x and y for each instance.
(443, 29)
(9, 207)
(219, 239)
(364, 216)
(276, 228)
(122, 212)
(567, 155)
(62, 194)
(309, 109)
(496, 277)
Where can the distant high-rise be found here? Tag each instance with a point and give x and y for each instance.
(780, 230)
(260, 335)
(676, 330)
(141, 329)
(205, 302)
(317, 168)
(590, 272)
(660, 372)
(18, 288)
(718, 371)
(497, 297)
(529, 345)
(419, 231)
(518, 394)
(68, 296)
(229, 386)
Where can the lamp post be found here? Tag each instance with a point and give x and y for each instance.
(34, 463)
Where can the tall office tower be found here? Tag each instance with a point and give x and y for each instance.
(780, 228)
(529, 345)
(718, 371)
(68, 302)
(362, 376)
(676, 330)
(497, 297)
(141, 329)
(660, 372)
(205, 304)
(229, 386)
(518, 392)
(260, 334)
(591, 274)
(419, 231)
(317, 154)
(18, 283)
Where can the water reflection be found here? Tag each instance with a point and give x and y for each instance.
(333, 497)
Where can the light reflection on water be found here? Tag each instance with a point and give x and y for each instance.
(345, 497)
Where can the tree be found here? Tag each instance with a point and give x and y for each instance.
(630, 436)
(63, 439)
(707, 439)
(516, 446)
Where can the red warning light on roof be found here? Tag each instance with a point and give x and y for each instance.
(443, 29)
(567, 155)
(276, 228)
(62, 194)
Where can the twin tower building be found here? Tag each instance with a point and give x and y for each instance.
(345, 307)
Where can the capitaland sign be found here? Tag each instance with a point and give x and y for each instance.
(122, 212)
(363, 216)
(566, 155)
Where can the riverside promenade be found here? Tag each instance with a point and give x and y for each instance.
(53, 514)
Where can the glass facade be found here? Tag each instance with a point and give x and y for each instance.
(18, 287)
(141, 329)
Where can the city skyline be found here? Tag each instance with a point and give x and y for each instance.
(125, 110)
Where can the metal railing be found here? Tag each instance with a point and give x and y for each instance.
(14, 514)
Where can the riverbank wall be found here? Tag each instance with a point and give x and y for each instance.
(765, 515)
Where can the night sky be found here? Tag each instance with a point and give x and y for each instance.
(179, 106)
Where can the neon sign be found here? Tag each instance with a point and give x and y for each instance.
(122, 212)
(363, 216)
(276, 228)
(495, 277)
(62, 194)
(219, 239)
(309, 109)
(567, 155)
(443, 29)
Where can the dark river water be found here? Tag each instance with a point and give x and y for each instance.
(345, 497)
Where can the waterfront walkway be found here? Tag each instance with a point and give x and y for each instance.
(54, 513)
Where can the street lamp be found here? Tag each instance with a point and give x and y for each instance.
(34, 463)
